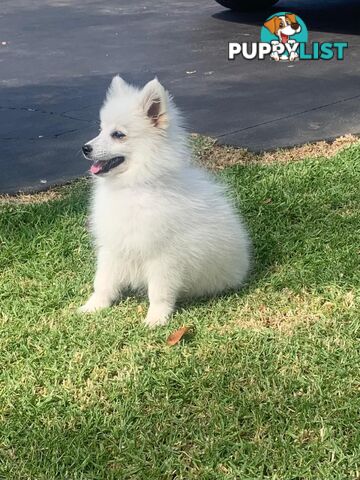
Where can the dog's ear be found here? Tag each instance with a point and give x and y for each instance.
(154, 101)
(117, 85)
(291, 17)
(273, 24)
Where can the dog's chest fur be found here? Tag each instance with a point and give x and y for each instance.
(130, 221)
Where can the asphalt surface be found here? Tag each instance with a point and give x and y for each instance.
(58, 56)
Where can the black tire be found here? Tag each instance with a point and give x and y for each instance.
(246, 5)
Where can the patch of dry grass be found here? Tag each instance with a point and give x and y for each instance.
(27, 198)
(285, 310)
(53, 193)
(217, 157)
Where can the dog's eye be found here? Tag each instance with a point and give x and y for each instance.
(117, 134)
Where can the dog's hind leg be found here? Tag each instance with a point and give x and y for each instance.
(107, 283)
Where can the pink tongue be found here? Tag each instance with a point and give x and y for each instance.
(95, 168)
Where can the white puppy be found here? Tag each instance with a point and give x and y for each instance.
(160, 223)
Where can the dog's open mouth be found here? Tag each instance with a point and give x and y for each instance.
(104, 166)
(284, 38)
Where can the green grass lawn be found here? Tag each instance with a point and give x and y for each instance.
(267, 387)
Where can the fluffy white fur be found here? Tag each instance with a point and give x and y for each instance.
(159, 222)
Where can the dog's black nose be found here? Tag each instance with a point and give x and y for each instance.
(295, 25)
(87, 149)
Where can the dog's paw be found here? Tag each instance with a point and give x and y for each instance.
(153, 322)
(157, 316)
(93, 304)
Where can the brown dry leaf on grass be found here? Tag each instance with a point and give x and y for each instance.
(176, 336)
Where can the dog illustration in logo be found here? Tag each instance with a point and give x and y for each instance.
(283, 26)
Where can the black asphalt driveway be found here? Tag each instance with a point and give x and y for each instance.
(58, 56)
